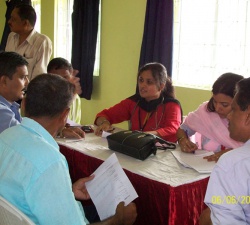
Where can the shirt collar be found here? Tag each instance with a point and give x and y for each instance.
(7, 103)
(248, 142)
(29, 39)
(35, 127)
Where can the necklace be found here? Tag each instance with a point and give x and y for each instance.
(148, 115)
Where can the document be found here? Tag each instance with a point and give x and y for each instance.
(72, 123)
(69, 140)
(195, 160)
(109, 187)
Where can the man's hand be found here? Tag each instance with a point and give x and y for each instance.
(76, 81)
(126, 214)
(79, 188)
(73, 132)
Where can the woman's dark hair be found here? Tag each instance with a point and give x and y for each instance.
(225, 84)
(160, 75)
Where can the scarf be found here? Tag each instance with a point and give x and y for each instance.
(210, 125)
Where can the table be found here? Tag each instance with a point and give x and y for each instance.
(168, 192)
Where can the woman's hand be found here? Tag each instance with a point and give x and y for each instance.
(215, 157)
(102, 125)
(187, 145)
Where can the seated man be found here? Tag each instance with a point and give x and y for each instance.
(227, 193)
(34, 175)
(63, 68)
(13, 83)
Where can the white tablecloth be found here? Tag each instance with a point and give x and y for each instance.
(162, 167)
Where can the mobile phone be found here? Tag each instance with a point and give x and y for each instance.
(87, 129)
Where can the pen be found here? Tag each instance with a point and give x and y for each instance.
(111, 129)
(188, 138)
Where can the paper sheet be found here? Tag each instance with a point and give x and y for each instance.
(196, 160)
(110, 187)
(72, 123)
(69, 140)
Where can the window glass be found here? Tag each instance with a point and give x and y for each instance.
(63, 33)
(37, 6)
(211, 37)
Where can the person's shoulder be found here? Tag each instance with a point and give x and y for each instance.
(12, 34)
(235, 158)
(203, 106)
(5, 108)
(133, 98)
(41, 37)
(22, 140)
(171, 100)
(44, 37)
(10, 39)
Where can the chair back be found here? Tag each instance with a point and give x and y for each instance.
(10, 215)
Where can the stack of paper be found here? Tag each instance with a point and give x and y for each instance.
(195, 160)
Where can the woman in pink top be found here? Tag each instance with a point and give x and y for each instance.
(210, 121)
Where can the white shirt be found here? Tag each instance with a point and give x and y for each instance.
(36, 49)
(228, 191)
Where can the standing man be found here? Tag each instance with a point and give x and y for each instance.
(34, 175)
(36, 48)
(228, 191)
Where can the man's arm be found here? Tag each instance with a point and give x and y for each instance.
(42, 58)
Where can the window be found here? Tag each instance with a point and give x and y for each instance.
(63, 33)
(37, 6)
(63, 30)
(211, 37)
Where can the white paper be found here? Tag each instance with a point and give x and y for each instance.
(105, 134)
(73, 123)
(109, 187)
(69, 140)
(195, 160)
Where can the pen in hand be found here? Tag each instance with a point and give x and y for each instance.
(189, 146)
(188, 138)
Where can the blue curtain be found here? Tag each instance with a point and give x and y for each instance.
(157, 43)
(84, 36)
(10, 6)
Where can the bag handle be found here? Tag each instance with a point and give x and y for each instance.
(164, 144)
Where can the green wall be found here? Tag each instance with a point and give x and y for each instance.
(121, 36)
(2, 17)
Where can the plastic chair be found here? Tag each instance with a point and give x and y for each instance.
(10, 215)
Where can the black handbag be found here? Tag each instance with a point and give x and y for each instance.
(137, 144)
